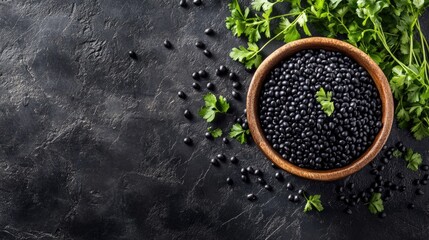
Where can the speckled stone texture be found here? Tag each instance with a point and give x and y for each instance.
(91, 143)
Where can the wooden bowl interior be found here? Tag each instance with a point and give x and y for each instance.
(354, 53)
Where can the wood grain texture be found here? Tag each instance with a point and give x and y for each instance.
(333, 45)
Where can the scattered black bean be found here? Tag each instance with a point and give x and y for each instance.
(301, 192)
(202, 73)
(416, 182)
(236, 85)
(214, 162)
(250, 197)
(233, 160)
(385, 160)
(426, 177)
(222, 70)
(290, 197)
(187, 114)
(279, 176)
(424, 167)
(167, 44)
(243, 171)
(196, 86)
(225, 140)
(195, 76)
(374, 172)
(236, 95)
(340, 189)
(208, 135)
(351, 186)
(289, 186)
(210, 86)
(221, 157)
(382, 215)
(295, 198)
(258, 173)
(250, 170)
(200, 44)
(411, 206)
(209, 31)
(379, 178)
(181, 94)
(261, 181)
(380, 168)
(207, 53)
(132, 55)
(273, 165)
(183, 3)
(341, 197)
(268, 187)
(229, 181)
(424, 182)
(379, 189)
(419, 191)
(187, 141)
(233, 76)
(244, 178)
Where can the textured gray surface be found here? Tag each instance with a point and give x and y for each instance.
(91, 141)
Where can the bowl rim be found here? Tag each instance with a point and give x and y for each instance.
(352, 52)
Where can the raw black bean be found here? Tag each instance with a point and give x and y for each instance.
(221, 157)
(209, 31)
(348, 211)
(289, 186)
(351, 186)
(225, 140)
(208, 135)
(200, 45)
(202, 73)
(132, 55)
(196, 86)
(273, 165)
(197, 2)
(268, 187)
(229, 181)
(251, 197)
(222, 70)
(233, 160)
(279, 176)
(187, 141)
(187, 114)
(341, 197)
(411, 206)
(236, 95)
(210, 86)
(419, 191)
(290, 197)
(426, 177)
(244, 178)
(301, 192)
(424, 167)
(296, 198)
(416, 182)
(236, 85)
(183, 3)
(424, 182)
(214, 162)
(167, 44)
(340, 189)
(261, 181)
(250, 170)
(207, 53)
(258, 173)
(195, 76)
(243, 171)
(382, 215)
(233, 76)
(181, 94)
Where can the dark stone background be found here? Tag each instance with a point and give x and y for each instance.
(91, 143)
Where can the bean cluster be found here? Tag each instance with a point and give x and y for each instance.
(294, 122)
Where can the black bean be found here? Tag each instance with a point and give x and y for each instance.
(351, 186)
(251, 197)
(301, 192)
(233, 160)
(348, 211)
(382, 215)
(208, 135)
(195, 76)
(258, 173)
(340, 189)
(290, 197)
(181, 94)
(132, 55)
(426, 177)
(424, 167)
(416, 182)
(196, 86)
(244, 178)
(197, 2)
(296, 198)
(279, 176)
(233, 76)
(187, 114)
(424, 182)
(341, 197)
(236, 95)
(167, 44)
(225, 140)
(203, 73)
(268, 187)
(250, 170)
(243, 171)
(214, 162)
(411, 206)
(221, 157)
(207, 53)
(209, 31)
(210, 86)
(200, 45)
(222, 70)
(236, 85)
(273, 165)
(187, 141)
(183, 3)
(261, 181)
(289, 186)
(229, 181)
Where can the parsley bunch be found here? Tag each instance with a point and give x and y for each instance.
(238, 133)
(213, 106)
(325, 100)
(389, 31)
(376, 203)
(313, 201)
(413, 159)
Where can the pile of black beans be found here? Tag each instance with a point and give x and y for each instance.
(294, 122)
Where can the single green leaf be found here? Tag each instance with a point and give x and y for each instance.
(215, 132)
(397, 153)
(413, 159)
(222, 105)
(325, 100)
(238, 133)
(313, 201)
(376, 203)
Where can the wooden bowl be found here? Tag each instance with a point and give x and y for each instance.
(328, 44)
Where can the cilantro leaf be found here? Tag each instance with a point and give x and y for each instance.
(397, 153)
(413, 159)
(212, 107)
(325, 100)
(313, 201)
(261, 4)
(376, 203)
(238, 133)
(215, 132)
(249, 56)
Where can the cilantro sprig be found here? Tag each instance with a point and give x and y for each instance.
(313, 201)
(213, 106)
(325, 100)
(238, 133)
(215, 132)
(388, 31)
(375, 204)
(414, 159)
